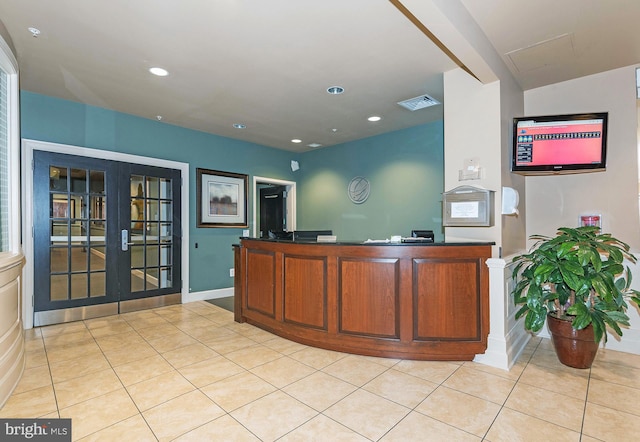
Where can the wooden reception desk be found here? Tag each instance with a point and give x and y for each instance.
(409, 301)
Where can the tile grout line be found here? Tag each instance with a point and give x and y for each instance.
(226, 413)
(53, 387)
(258, 340)
(586, 401)
(140, 412)
(121, 383)
(502, 406)
(414, 409)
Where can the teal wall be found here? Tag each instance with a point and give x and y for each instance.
(59, 121)
(406, 172)
(405, 169)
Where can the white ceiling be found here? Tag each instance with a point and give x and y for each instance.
(267, 63)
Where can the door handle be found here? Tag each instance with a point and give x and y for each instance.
(124, 240)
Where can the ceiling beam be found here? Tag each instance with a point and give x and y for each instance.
(413, 19)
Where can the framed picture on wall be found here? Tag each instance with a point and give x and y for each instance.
(221, 198)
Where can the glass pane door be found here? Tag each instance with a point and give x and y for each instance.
(153, 229)
(151, 233)
(71, 232)
(104, 232)
(78, 233)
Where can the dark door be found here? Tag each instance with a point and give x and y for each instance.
(104, 232)
(273, 210)
(150, 231)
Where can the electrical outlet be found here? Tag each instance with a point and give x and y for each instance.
(232, 272)
(245, 233)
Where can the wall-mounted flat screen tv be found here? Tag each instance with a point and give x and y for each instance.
(559, 144)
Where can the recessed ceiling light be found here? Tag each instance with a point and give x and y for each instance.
(34, 31)
(159, 117)
(314, 145)
(335, 90)
(374, 118)
(239, 126)
(159, 72)
(295, 140)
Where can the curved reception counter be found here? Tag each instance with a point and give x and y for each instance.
(408, 301)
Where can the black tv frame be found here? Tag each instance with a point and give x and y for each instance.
(561, 168)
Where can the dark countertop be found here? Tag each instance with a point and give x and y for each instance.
(375, 242)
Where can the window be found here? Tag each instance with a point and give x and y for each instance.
(9, 150)
(4, 166)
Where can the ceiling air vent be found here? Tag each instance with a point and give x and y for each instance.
(420, 102)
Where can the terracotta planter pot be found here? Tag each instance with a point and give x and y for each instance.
(575, 348)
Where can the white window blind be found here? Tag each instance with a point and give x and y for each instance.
(4, 163)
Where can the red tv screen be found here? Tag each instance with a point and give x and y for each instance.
(559, 143)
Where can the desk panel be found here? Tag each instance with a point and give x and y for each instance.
(409, 301)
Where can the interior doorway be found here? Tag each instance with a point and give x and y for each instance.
(288, 204)
(273, 210)
(145, 271)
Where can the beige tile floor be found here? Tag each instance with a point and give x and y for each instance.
(189, 373)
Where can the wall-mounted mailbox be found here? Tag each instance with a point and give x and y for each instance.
(468, 206)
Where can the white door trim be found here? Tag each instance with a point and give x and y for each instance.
(28, 146)
(291, 201)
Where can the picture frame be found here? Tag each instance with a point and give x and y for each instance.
(221, 198)
(60, 208)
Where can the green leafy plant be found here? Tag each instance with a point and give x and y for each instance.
(578, 275)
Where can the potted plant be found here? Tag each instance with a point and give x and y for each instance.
(576, 280)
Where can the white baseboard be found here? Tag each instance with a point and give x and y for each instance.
(504, 352)
(629, 343)
(495, 355)
(207, 294)
(518, 339)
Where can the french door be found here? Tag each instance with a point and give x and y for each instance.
(107, 237)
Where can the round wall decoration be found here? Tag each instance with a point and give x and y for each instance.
(359, 189)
